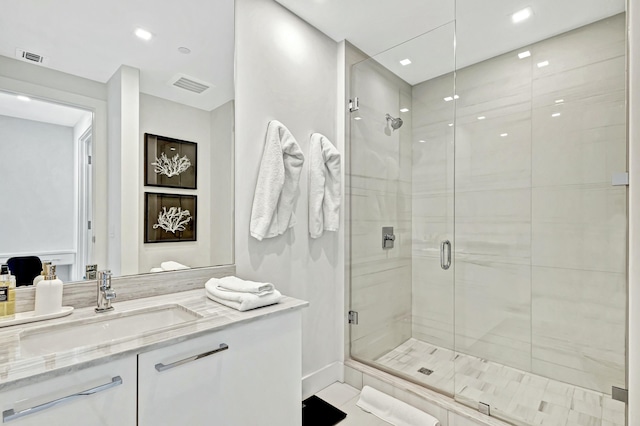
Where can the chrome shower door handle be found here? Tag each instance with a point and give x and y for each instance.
(445, 259)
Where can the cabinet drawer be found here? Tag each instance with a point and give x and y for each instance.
(245, 375)
(101, 395)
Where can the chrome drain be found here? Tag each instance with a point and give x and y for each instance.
(425, 371)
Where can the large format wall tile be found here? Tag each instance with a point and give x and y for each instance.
(579, 326)
(493, 311)
(580, 227)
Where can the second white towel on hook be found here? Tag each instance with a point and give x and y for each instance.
(324, 186)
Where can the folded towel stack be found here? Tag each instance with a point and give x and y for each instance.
(170, 266)
(240, 294)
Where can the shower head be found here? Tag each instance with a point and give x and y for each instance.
(396, 123)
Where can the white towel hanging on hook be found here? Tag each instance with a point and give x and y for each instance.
(272, 212)
(324, 186)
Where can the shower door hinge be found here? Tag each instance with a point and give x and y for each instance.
(620, 179)
(353, 317)
(620, 394)
(354, 104)
(484, 408)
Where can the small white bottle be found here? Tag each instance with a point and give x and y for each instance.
(49, 292)
(40, 277)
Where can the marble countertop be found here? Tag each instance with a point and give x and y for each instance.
(18, 369)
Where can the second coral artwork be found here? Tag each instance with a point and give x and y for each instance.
(169, 217)
(170, 162)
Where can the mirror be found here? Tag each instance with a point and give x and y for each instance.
(80, 86)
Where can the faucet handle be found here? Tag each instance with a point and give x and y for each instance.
(104, 278)
(104, 274)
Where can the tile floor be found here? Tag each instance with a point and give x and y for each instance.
(344, 397)
(514, 395)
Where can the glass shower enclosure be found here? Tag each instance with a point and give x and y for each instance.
(488, 230)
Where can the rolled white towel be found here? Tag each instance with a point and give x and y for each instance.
(243, 301)
(238, 285)
(156, 270)
(392, 410)
(173, 266)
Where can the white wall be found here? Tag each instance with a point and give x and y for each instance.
(222, 171)
(166, 118)
(37, 176)
(287, 70)
(123, 173)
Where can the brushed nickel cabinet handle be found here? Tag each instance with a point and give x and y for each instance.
(9, 415)
(164, 367)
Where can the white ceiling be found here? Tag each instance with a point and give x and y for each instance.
(92, 39)
(483, 28)
(38, 110)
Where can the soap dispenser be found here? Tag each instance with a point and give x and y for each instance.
(40, 277)
(7, 293)
(49, 292)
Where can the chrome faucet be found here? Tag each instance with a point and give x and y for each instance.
(105, 293)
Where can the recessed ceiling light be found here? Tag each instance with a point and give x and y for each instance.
(522, 15)
(524, 54)
(421, 141)
(482, 117)
(184, 50)
(504, 135)
(450, 124)
(542, 64)
(143, 34)
(456, 97)
(556, 114)
(23, 98)
(559, 101)
(357, 118)
(448, 98)
(405, 62)
(404, 110)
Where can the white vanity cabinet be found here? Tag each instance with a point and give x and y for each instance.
(95, 396)
(245, 375)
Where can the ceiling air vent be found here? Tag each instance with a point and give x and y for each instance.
(190, 84)
(30, 56)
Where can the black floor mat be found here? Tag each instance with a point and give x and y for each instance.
(316, 412)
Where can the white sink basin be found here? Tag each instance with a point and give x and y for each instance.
(102, 329)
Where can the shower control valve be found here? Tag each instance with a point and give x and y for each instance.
(388, 237)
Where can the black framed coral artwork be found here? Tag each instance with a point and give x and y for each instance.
(169, 217)
(170, 162)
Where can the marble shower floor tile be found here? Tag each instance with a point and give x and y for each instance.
(514, 395)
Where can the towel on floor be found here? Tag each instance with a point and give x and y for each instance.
(242, 301)
(324, 186)
(173, 266)
(238, 285)
(392, 410)
(282, 159)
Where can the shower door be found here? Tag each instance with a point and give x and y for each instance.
(541, 210)
(402, 178)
